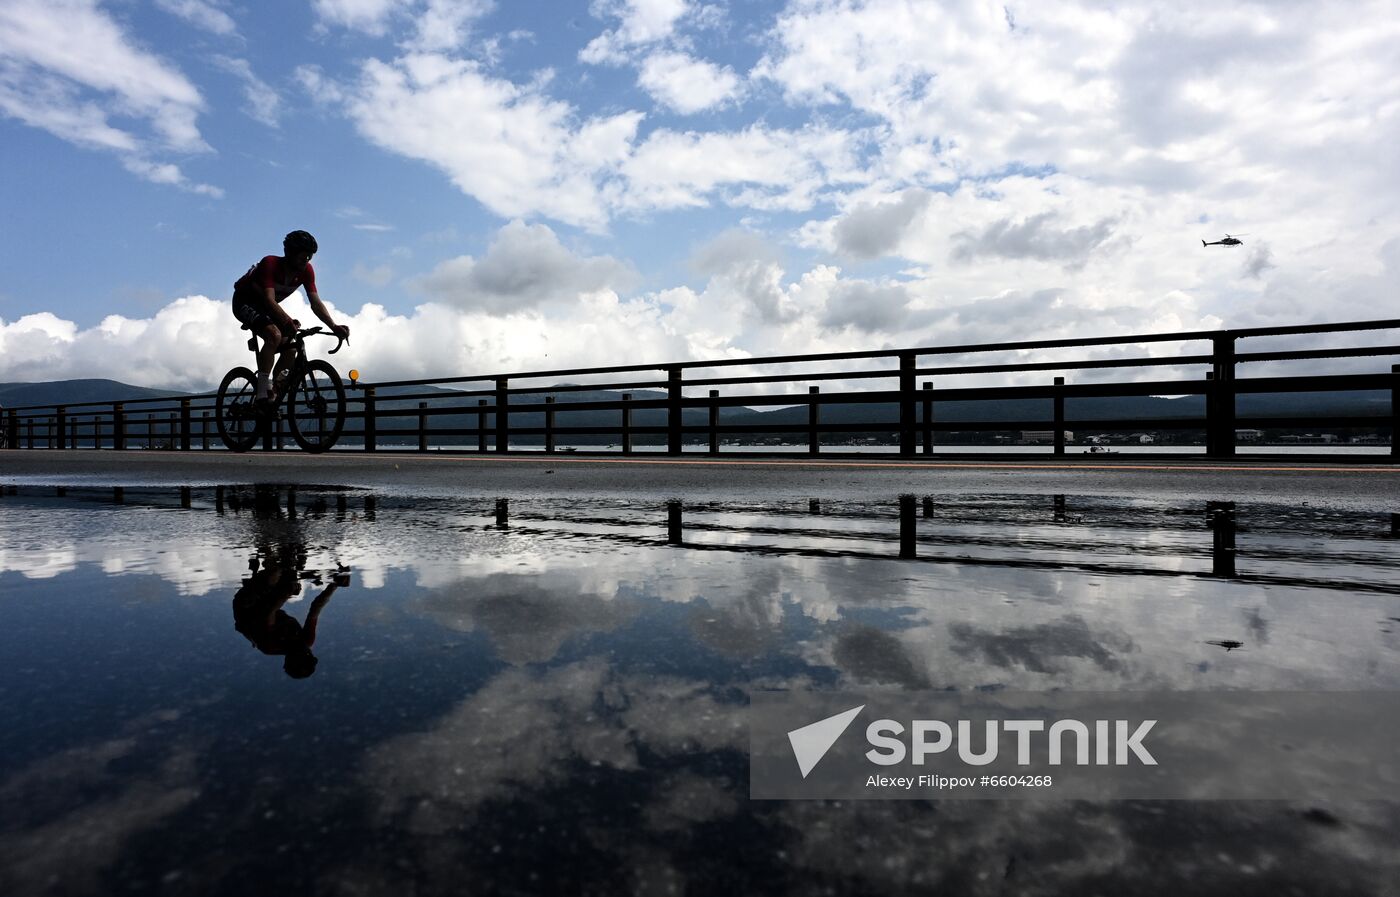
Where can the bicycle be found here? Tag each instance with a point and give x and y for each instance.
(312, 390)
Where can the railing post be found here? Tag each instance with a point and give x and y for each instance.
(118, 426)
(1059, 416)
(204, 432)
(481, 426)
(626, 424)
(371, 421)
(714, 422)
(1221, 517)
(928, 418)
(186, 427)
(502, 414)
(1220, 414)
(62, 427)
(30, 426)
(1394, 411)
(1211, 399)
(908, 528)
(673, 411)
(549, 423)
(12, 429)
(675, 532)
(272, 432)
(906, 403)
(422, 426)
(814, 421)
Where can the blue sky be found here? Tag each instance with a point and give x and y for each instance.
(525, 185)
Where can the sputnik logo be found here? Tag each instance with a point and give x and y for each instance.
(810, 743)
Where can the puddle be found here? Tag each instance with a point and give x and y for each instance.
(361, 692)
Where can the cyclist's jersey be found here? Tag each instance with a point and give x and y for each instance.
(270, 272)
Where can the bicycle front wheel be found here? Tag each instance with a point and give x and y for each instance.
(316, 407)
(239, 420)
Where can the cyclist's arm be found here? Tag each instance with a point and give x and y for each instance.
(322, 312)
(275, 309)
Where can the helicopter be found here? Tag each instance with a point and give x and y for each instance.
(1230, 240)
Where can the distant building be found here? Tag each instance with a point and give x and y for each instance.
(1042, 437)
(1248, 435)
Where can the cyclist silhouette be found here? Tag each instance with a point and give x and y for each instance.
(257, 302)
(273, 580)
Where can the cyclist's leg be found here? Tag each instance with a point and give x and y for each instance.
(286, 357)
(257, 320)
(269, 354)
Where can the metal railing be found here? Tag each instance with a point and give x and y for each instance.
(515, 411)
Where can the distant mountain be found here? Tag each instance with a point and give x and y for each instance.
(72, 392)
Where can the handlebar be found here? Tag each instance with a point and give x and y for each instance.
(312, 331)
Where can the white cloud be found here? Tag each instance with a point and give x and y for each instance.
(185, 345)
(759, 167)
(645, 21)
(95, 53)
(320, 88)
(525, 267)
(685, 84)
(445, 24)
(201, 14)
(168, 173)
(868, 307)
(872, 230)
(1186, 96)
(510, 147)
(640, 22)
(73, 87)
(369, 16)
(261, 102)
(746, 283)
(1035, 237)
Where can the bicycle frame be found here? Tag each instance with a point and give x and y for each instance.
(296, 352)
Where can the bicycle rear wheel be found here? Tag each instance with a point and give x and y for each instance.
(239, 420)
(316, 407)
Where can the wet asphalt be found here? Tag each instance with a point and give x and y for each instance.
(1300, 481)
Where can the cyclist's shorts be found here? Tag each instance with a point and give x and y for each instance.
(251, 311)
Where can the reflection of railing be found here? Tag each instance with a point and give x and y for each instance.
(1039, 533)
(515, 409)
(918, 539)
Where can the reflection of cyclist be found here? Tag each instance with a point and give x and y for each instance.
(258, 614)
(258, 294)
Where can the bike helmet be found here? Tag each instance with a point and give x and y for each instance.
(299, 241)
